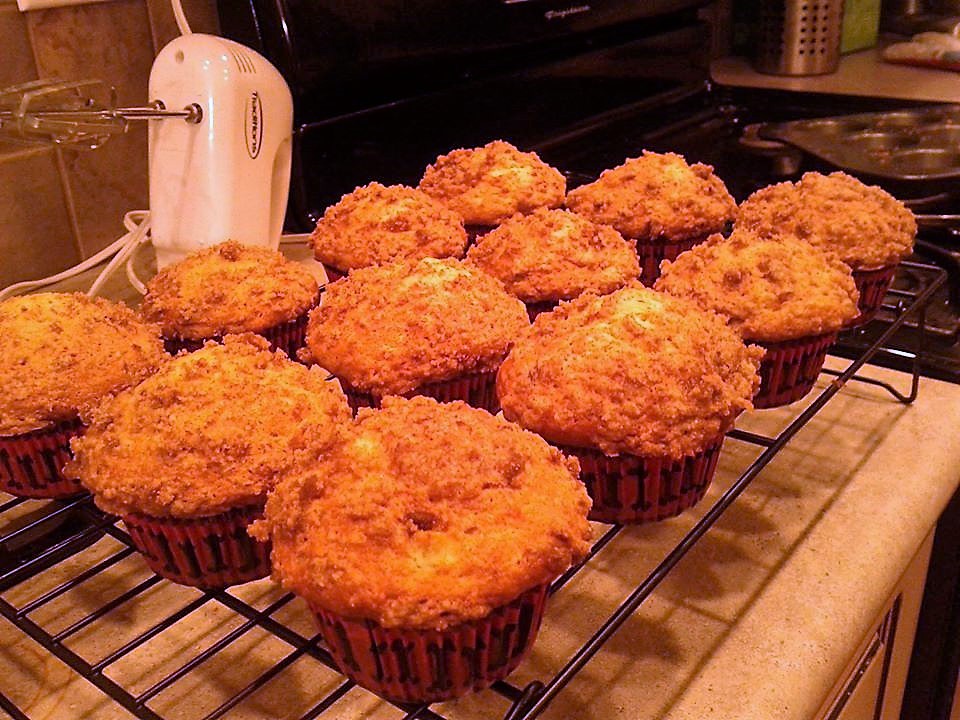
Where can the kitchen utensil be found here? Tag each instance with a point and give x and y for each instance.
(226, 176)
(799, 37)
(919, 144)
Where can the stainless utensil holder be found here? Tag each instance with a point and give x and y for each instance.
(799, 37)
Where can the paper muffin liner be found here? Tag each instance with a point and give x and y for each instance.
(207, 552)
(288, 336)
(790, 369)
(873, 285)
(425, 666)
(476, 389)
(535, 308)
(334, 274)
(31, 464)
(630, 489)
(651, 253)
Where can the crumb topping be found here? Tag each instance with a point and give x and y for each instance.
(555, 255)
(657, 196)
(862, 224)
(635, 372)
(376, 224)
(228, 288)
(212, 430)
(426, 515)
(61, 353)
(489, 184)
(391, 328)
(769, 290)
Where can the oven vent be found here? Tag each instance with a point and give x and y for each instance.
(799, 37)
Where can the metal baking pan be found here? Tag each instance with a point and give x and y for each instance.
(914, 144)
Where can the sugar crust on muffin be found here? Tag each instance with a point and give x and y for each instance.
(555, 255)
(228, 288)
(425, 515)
(376, 224)
(60, 353)
(486, 185)
(636, 372)
(769, 289)
(212, 430)
(657, 196)
(390, 328)
(863, 225)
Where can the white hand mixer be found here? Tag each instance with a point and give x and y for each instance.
(220, 133)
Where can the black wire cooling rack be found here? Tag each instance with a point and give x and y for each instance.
(39, 536)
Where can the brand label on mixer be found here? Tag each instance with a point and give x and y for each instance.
(253, 124)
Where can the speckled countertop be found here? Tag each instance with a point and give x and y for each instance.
(758, 621)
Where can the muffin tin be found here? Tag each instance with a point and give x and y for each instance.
(915, 144)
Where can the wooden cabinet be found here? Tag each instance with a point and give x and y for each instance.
(872, 686)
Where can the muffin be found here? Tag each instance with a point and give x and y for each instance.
(60, 354)
(784, 294)
(186, 458)
(869, 229)
(487, 185)
(659, 201)
(428, 526)
(641, 387)
(553, 255)
(231, 288)
(376, 224)
(428, 327)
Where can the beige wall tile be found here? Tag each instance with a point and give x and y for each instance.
(112, 42)
(201, 14)
(36, 239)
(17, 61)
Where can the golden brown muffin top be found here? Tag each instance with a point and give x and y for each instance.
(863, 224)
(489, 184)
(657, 196)
(228, 288)
(635, 372)
(390, 328)
(212, 430)
(61, 353)
(426, 515)
(769, 290)
(555, 255)
(376, 224)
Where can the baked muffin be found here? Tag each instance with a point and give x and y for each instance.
(428, 525)
(553, 255)
(783, 294)
(186, 457)
(60, 354)
(428, 327)
(641, 387)
(376, 224)
(487, 185)
(665, 205)
(869, 229)
(231, 288)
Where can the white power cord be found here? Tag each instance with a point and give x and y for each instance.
(134, 239)
(180, 17)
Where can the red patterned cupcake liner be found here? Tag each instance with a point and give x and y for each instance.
(873, 285)
(31, 464)
(476, 389)
(652, 252)
(634, 490)
(790, 369)
(334, 274)
(289, 336)
(425, 666)
(535, 308)
(207, 552)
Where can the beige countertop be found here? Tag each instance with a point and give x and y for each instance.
(861, 73)
(757, 622)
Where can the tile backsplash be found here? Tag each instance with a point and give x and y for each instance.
(60, 206)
